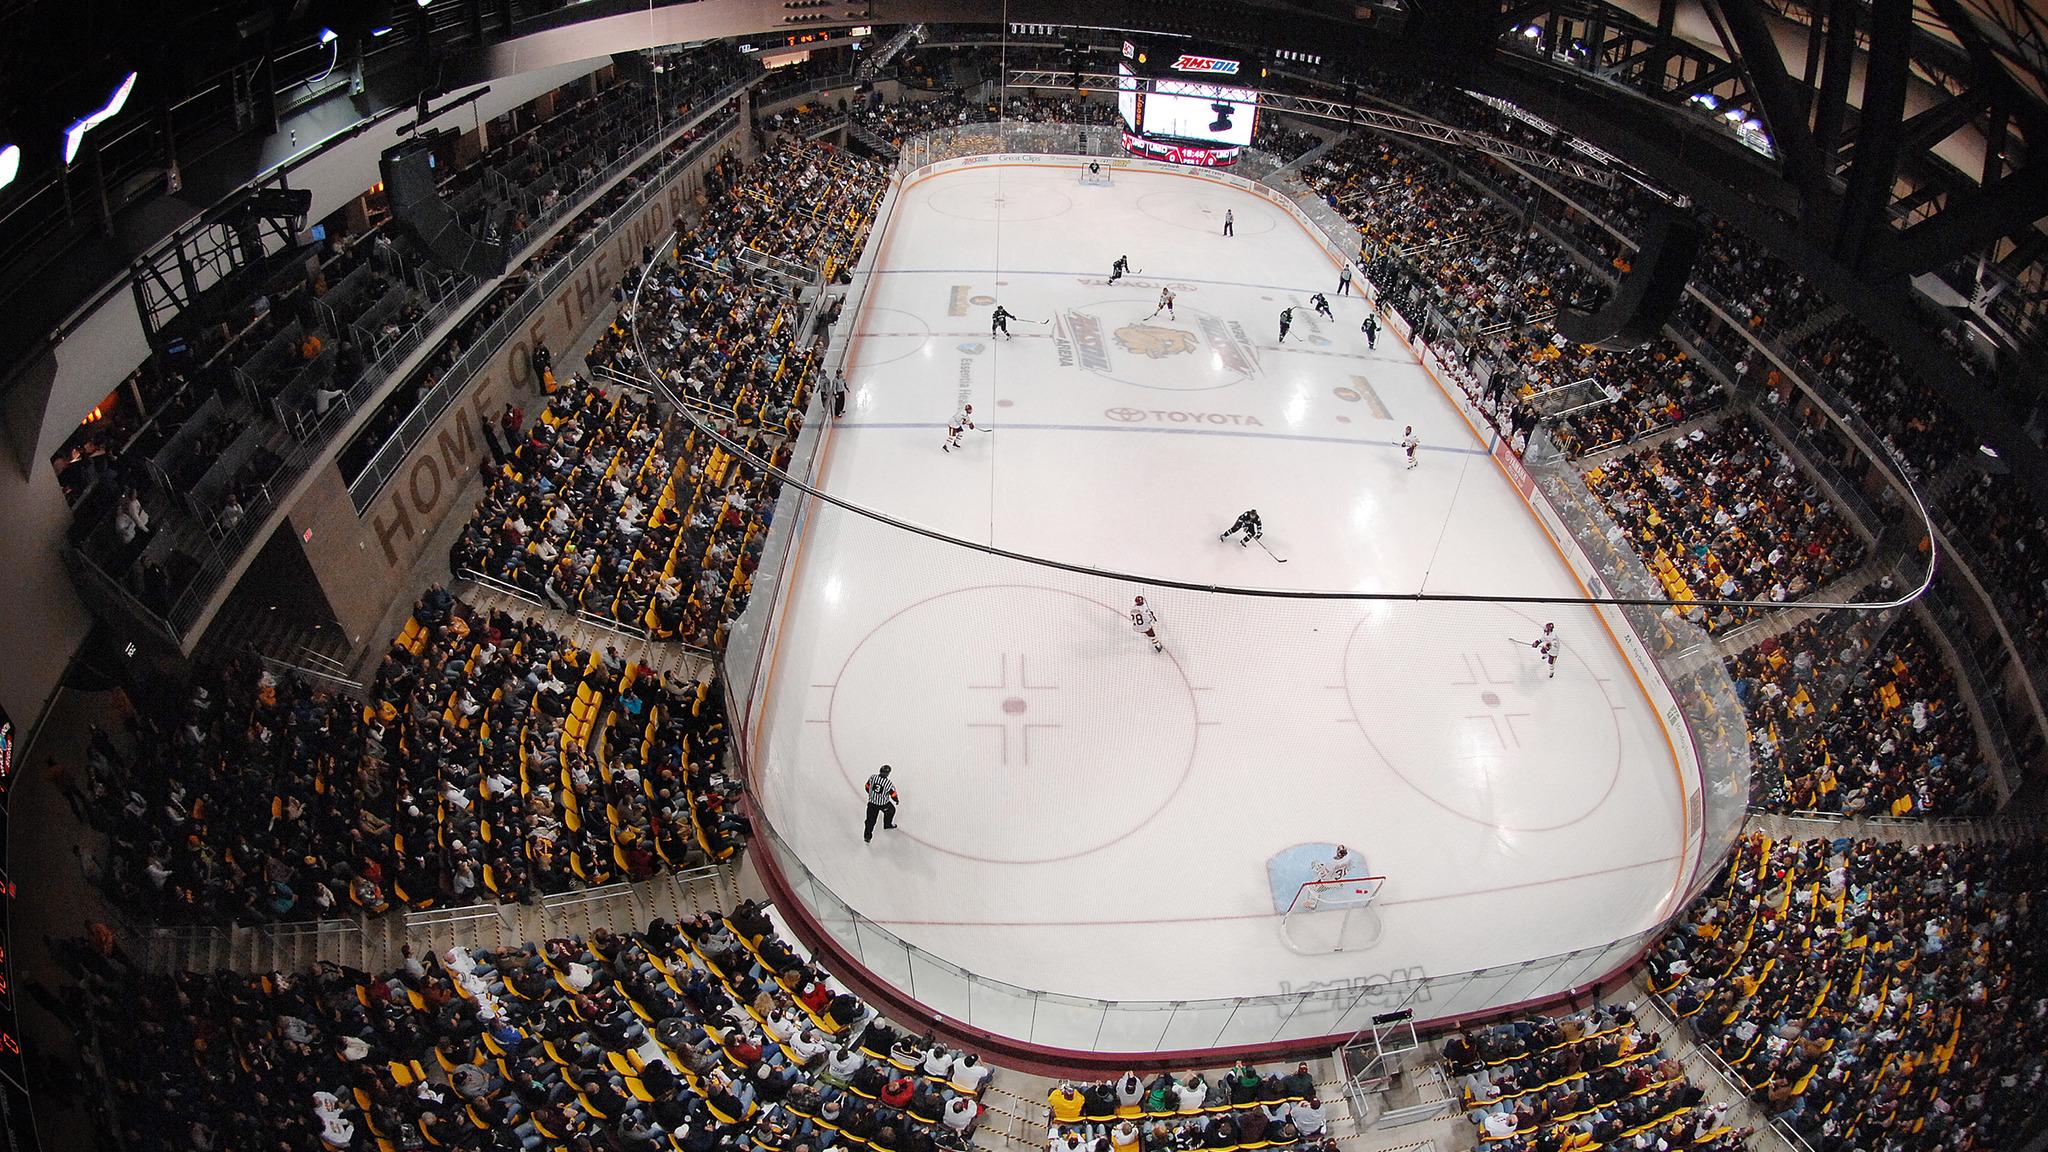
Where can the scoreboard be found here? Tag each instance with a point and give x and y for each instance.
(1184, 104)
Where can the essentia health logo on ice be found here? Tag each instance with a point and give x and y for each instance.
(1210, 65)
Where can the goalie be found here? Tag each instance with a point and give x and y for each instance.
(1337, 867)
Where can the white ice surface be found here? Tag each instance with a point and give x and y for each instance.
(1084, 816)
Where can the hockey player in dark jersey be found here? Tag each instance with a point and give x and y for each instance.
(1248, 523)
(999, 321)
(1321, 304)
(1117, 270)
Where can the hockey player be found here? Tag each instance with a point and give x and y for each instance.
(1321, 304)
(1286, 322)
(1165, 304)
(962, 421)
(1337, 867)
(1145, 622)
(999, 321)
(1371, 328)
(1248, 523)
(1546, 647)
(1229, 222)
(1409, 444)
(1344, 281)
(1117, 270)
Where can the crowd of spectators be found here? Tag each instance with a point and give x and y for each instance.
(1440, 247)
(1873, 995)
(1277, 136)
(1861, 718)
(1724, 513)
(908, 115)
(403, 400)
(494, 760)
(711, 1035)
(1181, 1112)
(1592, 1079)
(807, 204)
(609, 503)
(2008, 541)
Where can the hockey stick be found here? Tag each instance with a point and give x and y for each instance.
(1262, 544)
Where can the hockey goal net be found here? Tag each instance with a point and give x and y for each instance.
(1333, 915)
(1099, 178)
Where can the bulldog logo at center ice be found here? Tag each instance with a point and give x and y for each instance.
(1154, 341)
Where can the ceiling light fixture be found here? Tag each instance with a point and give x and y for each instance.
(75, 135)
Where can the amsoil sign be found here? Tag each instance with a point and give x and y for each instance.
(1208, 65)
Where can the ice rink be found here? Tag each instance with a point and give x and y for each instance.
(1084, 816)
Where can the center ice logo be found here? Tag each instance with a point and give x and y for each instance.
(1155, 342)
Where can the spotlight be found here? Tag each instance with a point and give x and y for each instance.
(1532, 32)
(329, 35)
(384, 31)
(75, 134)
(10, 164)
(1706, 100)
(1732, 115)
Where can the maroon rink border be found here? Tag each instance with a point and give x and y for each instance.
(1062, 1063)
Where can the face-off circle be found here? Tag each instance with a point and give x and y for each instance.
(1504, 720)
(1010, 199)
(1062, 733)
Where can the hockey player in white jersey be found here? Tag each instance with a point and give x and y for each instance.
(1145, 622)
(1165, 304)
(1409, 444)
(962, 421)
(1337, 867)
(1546, 647)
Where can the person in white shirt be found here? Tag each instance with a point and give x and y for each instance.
(1309, 1118)
(1191, 1094)
(960, 1114)
(969, 1074)
(842, 1064)
(1409, 443)
(806, 1046)
(938, 1063)
(1130, 1090)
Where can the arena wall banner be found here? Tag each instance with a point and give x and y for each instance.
(365, 561)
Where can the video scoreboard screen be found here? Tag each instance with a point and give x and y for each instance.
(1166, 92)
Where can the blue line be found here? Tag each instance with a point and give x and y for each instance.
(1030, 272)
(1178, 432)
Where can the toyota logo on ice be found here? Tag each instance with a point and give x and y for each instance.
(1180, 416)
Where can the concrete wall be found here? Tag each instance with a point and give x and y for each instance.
(366, 562)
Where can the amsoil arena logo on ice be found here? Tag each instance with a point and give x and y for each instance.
(1156, 354)
(1155, 341)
